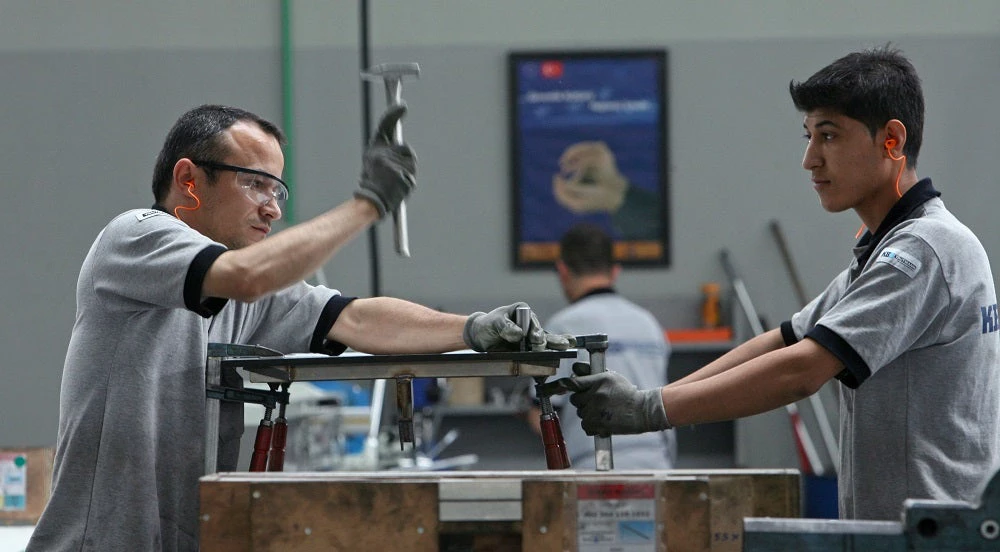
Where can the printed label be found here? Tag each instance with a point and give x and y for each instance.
(146, 214)
(616, 517)
(900, 260)
(13, 482)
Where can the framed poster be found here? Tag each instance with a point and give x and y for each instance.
(588, 143)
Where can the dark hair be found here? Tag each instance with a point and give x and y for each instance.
(874, 87)
(587, 249)
(197, 135)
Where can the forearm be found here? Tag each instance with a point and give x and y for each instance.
(289, 256)
(761, 384)
(753, 348)
(388, 325)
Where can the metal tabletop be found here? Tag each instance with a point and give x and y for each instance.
(312, 367)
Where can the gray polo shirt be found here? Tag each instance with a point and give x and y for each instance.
(914, 321)
(638, 350)
(131, 437)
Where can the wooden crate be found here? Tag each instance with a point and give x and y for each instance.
(25, 484)
(495, 511)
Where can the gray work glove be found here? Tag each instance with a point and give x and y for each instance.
(498, 331)
(609, 404)
(388, 170)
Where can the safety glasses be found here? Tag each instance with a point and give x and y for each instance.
(259, 186)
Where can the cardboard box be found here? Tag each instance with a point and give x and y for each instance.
(469, 391)
(25, 484)
(529, 511)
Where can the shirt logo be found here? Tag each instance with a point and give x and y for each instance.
(145, 214)
(899, 260)
(990, 318)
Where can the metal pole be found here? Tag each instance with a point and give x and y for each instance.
(366, 123)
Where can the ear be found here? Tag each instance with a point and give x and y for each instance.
(895, 138)
(184, 172)
(562, 269)
(616, 270)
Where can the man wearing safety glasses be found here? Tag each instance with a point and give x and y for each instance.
(159, 284)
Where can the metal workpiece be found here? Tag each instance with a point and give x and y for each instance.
(264, 365)
(354, 366)
(522, 317)
(392, 75)
(926, 525)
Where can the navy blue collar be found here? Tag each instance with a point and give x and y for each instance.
(921, 192)
(596, 291)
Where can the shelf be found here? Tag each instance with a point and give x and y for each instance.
(705, 347)
(700, 340)
(478, 410)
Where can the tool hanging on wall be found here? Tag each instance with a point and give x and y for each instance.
(808, 457)
(825, 428)
(392, 74)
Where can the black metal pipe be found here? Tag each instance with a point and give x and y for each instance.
(366, 123)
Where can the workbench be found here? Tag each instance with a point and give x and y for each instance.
(531, 511)
(588, 511)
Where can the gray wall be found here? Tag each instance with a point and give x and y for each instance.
(90, 89)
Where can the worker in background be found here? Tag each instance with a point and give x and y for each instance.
(909, 329)
(159, 284)
(637, 347)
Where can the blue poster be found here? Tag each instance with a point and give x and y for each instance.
(589, 145)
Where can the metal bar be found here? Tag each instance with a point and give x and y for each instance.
(364, 52)
(360, 366)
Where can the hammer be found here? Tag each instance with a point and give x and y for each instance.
(392, 75)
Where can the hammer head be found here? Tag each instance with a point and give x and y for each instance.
(391, 71)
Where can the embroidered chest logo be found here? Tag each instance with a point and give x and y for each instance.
(990, 319)
(900, 260)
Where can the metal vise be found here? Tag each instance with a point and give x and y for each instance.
(926, 525)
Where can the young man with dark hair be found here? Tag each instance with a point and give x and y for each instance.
(159, 284)
(637, 347)
(909, 329)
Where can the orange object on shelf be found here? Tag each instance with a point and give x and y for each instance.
(698, 335)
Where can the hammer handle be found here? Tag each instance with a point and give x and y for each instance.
(393, 96)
